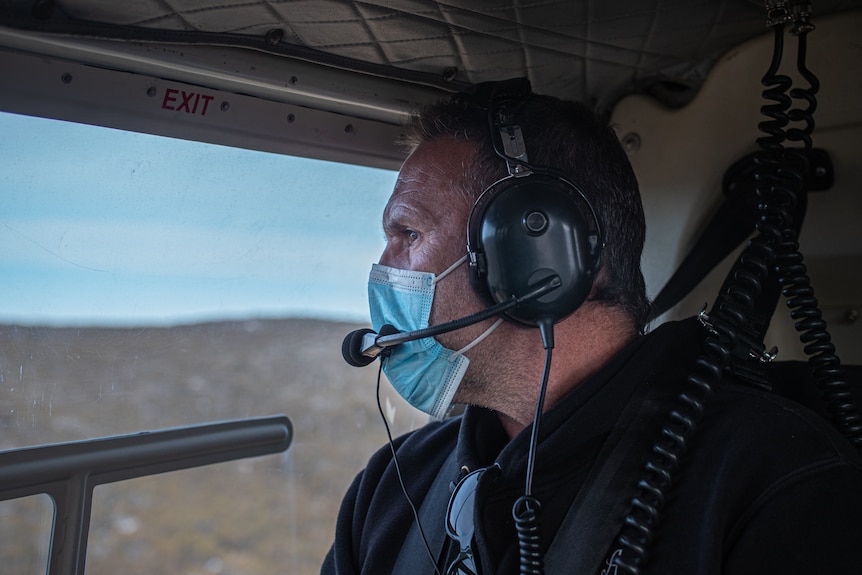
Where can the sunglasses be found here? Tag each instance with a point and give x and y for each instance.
(459, 522)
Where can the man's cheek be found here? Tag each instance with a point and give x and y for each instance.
(455, 302)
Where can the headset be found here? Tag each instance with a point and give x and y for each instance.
(530, 225)
(534, 246)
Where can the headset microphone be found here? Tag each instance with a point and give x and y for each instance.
(356, 345)
(363, 346)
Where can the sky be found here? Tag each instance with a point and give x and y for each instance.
(112, 228)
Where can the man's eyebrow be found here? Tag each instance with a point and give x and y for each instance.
(395, 219)
(402, 214)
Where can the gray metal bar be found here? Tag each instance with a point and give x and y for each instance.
(68, 472)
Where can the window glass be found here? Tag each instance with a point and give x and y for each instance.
(25, 534)
(245, 521)
(150, 283)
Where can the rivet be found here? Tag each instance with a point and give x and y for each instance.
(348, 128)
(631, 142)
(151, 91)
(291, 118)
(274, 36)
(66, 78)
(225, 106)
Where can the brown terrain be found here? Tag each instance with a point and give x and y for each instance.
(266, 515)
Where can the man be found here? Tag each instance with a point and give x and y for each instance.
(750, 483)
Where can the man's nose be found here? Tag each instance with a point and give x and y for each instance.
(388, 257)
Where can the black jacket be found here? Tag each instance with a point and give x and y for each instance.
(766, 486)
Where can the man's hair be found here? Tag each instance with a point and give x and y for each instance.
(568, 138)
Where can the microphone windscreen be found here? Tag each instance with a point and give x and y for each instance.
(351, 348)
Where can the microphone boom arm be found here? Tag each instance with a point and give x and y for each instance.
(373, 344)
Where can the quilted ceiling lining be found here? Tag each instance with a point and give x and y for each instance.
(592, 50)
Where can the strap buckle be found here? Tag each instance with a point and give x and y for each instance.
(755, 350)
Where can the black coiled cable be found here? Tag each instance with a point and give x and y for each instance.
(526, 515)
(738, 300)
(826, 368)
(636, 534)
(825, 364)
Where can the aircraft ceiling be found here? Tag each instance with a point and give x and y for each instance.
(596, 51)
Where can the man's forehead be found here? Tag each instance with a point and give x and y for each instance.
(436, 168)
(405, 203)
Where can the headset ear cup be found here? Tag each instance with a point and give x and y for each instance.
(525, 229)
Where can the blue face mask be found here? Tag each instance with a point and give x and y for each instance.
(423, 372)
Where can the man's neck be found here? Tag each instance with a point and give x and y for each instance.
(582, 348)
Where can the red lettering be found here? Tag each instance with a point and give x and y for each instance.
(191, 101)
(169, 97)
(187, 96)
(207, 100)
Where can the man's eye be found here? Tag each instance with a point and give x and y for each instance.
(412, 235)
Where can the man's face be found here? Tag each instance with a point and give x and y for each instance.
(425, 225)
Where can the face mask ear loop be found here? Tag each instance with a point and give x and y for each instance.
(449, 270)
(470, 345)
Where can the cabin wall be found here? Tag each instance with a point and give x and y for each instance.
(680, 157)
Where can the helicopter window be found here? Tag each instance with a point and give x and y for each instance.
(25, 530)
(248, 527)
(152, 283)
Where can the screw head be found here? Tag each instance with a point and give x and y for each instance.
(631, 142)
(274, 36)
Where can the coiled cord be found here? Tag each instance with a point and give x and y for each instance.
(826, 368)
(526, 515)
(825, 364)
(635, 536)
(733, 306)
